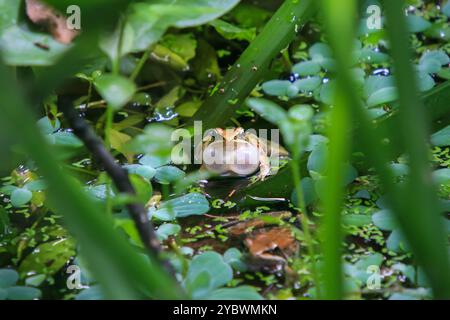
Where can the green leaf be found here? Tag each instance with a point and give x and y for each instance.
(309, 192)
(183, 45)
(46, 126)
(357, 220)
(156, 142)
(190, 204)
(417, 23)
(36, 185)
(164, 214)
(317, 159)
(399, 169)
(18, 47)
(306, 68)
(166, 230)
(396, 242)
(316, 140)
(142, 186)
(384, 220)
(150, 20)
(123, 36)
(268, 110)
(169, 174)
(36, 280)
(429, 66)
(212, 263)
(381, 96)
(326, 93)
(232, 32)
(200, 286)
(20, 197)
(189, 108)
(442, 176)
(369, 260)
(115, 89)
(235, 259)
(23, 293)
(446, 9)
(147, 172)
(359, 269)
(3, 294)
(444, 73)
(8, 278)
(99, 191)
(412, 294)
(407, 270)
(238, 293)
(441, 138)
(308, 84)
(440, 31)
(276, 87)
(375, 83)
(320, 51)
(48, 258)
(153, 161)
(425, 81)
(91, 293)
(66, 139)
(368, 55)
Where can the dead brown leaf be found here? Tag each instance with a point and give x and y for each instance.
(42, 14)
(268, 240)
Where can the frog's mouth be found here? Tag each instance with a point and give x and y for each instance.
(233, 159)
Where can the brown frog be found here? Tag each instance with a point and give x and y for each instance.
(238, 153)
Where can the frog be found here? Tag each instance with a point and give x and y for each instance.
(237, 153)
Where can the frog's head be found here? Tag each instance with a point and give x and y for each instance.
(229, 134)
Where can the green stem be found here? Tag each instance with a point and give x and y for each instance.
(295, 168)
(108, 126)
(140, 64)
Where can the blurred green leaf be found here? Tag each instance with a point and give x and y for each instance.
(211, 263)
(384, 220)
(169, 174)
(20, 197)
(308, 84)
(23, 293)
(238, 293)
(190, 204)
(306, 68)
(442, 137)
(417, 23)
(115, 89)
(48, 257)
(21, 46)
(232, 32)
(268, 110)
(8, 278)
(167, 229)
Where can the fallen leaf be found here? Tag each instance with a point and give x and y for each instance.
(266, 241)
(42, 14)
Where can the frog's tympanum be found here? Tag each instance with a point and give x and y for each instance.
(237, 153)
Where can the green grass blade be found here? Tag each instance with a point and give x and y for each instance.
(340, 30)
(249, 69)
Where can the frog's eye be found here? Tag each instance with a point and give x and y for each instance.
(246, 160)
